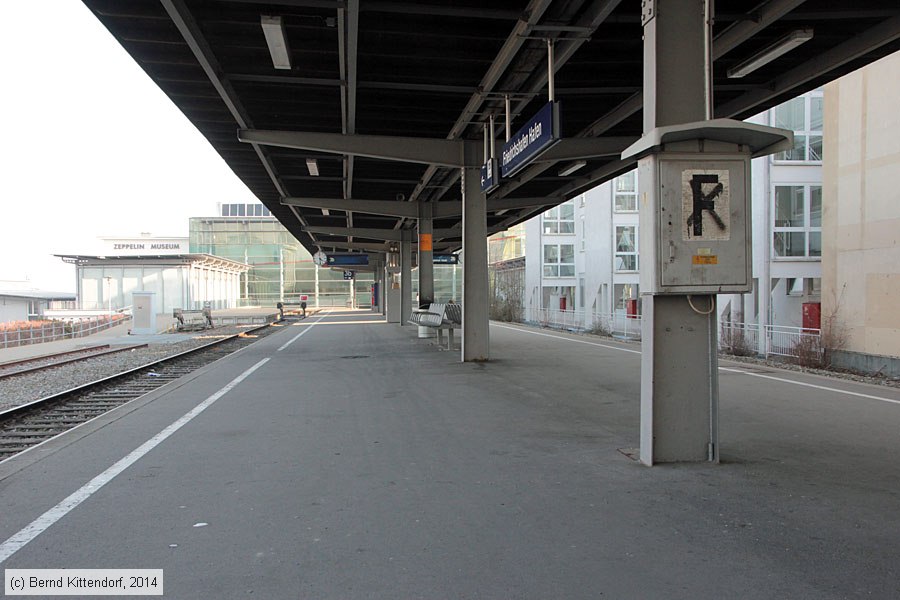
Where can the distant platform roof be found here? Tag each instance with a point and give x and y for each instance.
(208, 260)
(37, 295)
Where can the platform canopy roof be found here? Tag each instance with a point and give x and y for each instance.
(438, 70)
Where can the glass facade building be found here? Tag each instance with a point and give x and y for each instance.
(281, 269)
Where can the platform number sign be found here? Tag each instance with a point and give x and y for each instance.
(705, 205)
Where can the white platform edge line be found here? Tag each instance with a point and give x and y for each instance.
(739, 371)
(43, 522)
(812, 385)
(565, 339)
(296, 337)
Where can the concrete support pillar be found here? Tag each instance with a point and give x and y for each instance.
(679, 383)
(378, 284)
(426, 255)
(373, 302)
(382, 288)
(475, 334)
(392, 288)
(405, 276)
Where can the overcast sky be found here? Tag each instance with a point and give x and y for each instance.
(91, 146)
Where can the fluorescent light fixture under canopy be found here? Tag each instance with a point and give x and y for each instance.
(313, 167)
(770, 53)
(276, 40)
(572, 167)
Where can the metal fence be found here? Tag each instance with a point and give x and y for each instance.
(742, 339)
(50, 331)
(617, 325)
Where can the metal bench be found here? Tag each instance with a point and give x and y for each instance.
(440, 317)
(193, 320)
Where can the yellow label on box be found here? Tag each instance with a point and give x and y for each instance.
(705, 260)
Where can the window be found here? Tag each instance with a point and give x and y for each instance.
(798, 221)
(583, 241)
(804, 116)
(626, 248)
(559, 260)
(624, 292)
(560, 219)
(626, 192)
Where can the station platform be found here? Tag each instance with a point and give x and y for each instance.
(344, 457)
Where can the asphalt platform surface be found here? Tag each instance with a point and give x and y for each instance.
(354, 460)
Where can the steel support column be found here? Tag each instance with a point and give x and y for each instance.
(679, 384)
(475, 334)
(405, 276)
(426, 255)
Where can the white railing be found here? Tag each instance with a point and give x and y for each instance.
(24, 334)
(739, 339)
(794, 342)
(742, 339)
(616, 324)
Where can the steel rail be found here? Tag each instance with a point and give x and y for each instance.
(63, 362)
(18, 411)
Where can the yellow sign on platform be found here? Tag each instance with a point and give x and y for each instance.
(425, 242)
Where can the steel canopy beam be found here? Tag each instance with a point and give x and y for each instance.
(740, 31)
(445, 153)
(389, 235)
(575, 148)
(390, 208)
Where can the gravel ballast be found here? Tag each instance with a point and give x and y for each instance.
(21, 389)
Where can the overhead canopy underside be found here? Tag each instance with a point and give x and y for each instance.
(440, 69)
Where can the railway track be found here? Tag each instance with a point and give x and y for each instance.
(30, 424)
(48, 361)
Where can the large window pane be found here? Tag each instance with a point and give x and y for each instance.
(625, 239)
(816, 114)
(815, 243)
(815, 147)
(798, 152)
(626, 202)
(790, 115)
(815, 206)
(625, 193)
(551, 253)
(566, 253)
(626, 262)
(789, 206)
(626, 258)
(625, 183)
(560, 219)
(790, 243)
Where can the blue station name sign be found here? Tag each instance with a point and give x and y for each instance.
(347, 260)
(538, 134)
(445, 259)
